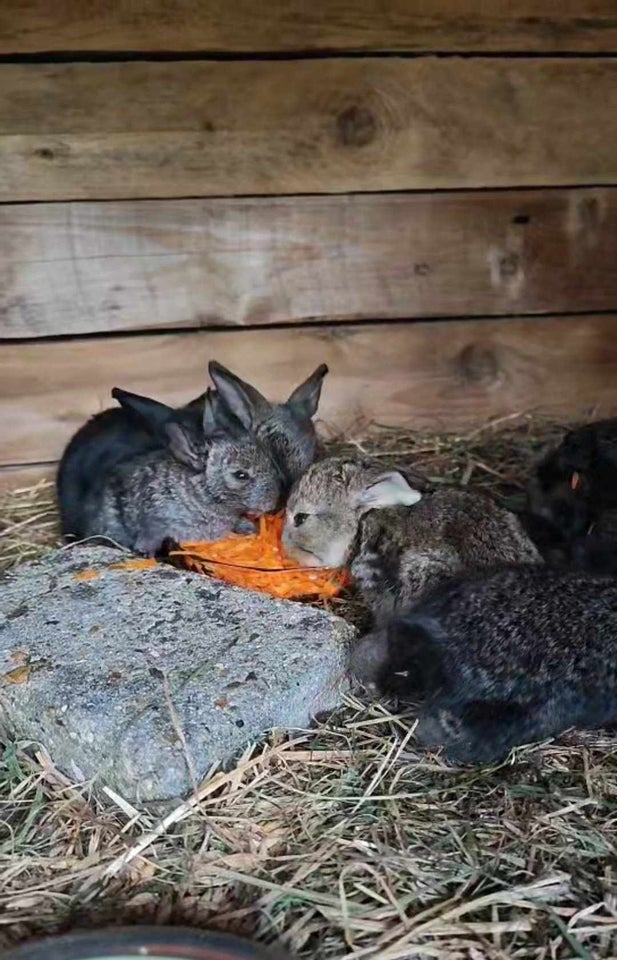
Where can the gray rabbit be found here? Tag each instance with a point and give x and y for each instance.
(206, 475)
(396, 540)
(501, 658)
(119, 434)
(286, 428)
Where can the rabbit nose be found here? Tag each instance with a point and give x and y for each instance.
(299, 519)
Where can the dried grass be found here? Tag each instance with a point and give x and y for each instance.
(28, 523)
(340, 841)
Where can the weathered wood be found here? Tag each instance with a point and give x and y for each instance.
(15, 478)
(442, 374)
(212, 25)
(144, 129)
(127, 265)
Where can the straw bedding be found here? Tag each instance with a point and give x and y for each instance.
(342, 841)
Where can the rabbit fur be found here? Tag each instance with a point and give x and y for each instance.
(501, 658)
(119, 434)
(396, 540)
(198, 480)
(573, 493)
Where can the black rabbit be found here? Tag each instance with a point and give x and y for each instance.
(572, 499)
(501, 659)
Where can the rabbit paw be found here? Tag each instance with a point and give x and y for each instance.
(366, 570)
(439, 727)
(477, 732)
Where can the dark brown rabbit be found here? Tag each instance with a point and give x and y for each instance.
(501, 658)
(396, 540)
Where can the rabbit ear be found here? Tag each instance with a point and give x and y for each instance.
(186, 433)
(196, 402)
(244, 401)
(305, 399)
(387, 490)
(182, 445)
(218, 420)
(151, 414)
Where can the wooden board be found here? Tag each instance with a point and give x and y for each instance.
(440, 374)
(279, 25)
(16, 478)
(144, 129)
(128, 265)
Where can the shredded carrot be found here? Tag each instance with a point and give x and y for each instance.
(257, 562)
(138, 563)
(85, 575)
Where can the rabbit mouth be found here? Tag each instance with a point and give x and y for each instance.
(303, 557)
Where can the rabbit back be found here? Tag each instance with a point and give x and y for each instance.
(503, 658)
(400, 553)
(105, 441)
(101, 447)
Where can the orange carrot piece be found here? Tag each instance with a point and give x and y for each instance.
(85, 575)
(135, 563)
(257, 562)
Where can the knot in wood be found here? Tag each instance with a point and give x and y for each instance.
(478, 364)
(509, 265)
(356, 127)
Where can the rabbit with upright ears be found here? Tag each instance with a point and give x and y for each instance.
(122, 433)
(397, 537)
(200, 483)
(573, 491)
(501, 658)
(286, 428)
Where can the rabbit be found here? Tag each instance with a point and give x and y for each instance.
(106, 440)
(501, 658)
(574, 491)
(198, 483)
(286, 428)
(112, 436)
(396, 539)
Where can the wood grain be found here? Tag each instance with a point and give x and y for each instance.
(291, 25)
(15, 478)
(150, 129)
(441, 374)
(126, 265)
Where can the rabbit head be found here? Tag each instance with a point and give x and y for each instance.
(559, 495)
(237, 469)
(286, 428)
(326, 504)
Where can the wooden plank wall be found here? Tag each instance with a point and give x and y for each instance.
(422, 193)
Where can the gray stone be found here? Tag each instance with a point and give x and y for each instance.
(119, 662)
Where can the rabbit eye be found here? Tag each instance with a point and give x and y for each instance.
(300, 518)
(241, 475)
